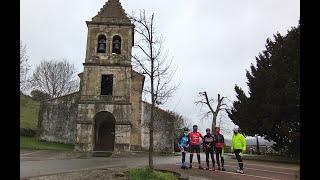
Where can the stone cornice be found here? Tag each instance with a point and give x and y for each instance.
(109, 23)
(123, 123)
(111, 65)
(116, 123)
(104, 102)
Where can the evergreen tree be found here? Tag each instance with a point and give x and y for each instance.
(272, 107)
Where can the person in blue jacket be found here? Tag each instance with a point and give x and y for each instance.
(183, 144)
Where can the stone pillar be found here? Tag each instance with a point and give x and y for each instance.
(122, 137)
(84, 137)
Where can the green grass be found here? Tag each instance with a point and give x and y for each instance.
(29, 110)
(32, 143)
(145, 174)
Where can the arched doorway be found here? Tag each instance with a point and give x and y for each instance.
(104, 131)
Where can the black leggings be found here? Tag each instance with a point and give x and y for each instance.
(239, 158)
(183, 157)
(209, 151)
(183, 151)
(219, 153)
(194, 148)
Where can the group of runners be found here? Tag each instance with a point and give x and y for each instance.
(212, 143)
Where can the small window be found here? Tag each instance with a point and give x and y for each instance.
(101, 44)
(106, 84)
(116, 44)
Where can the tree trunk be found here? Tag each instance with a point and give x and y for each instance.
(158, 70)
(258, 148)
(151, 138)
(152, 99)
(214, 119)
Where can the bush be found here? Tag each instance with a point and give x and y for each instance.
(39, 95)
(146, 174)
(27, 132)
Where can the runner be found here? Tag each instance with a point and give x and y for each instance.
(183, 145)
(238, 146)
(208, 146)
(194, 139)
(219, 148)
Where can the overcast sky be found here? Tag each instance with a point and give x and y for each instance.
(212, 42)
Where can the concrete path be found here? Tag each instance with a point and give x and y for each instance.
(39, 163)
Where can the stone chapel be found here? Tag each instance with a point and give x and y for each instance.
(107, 113)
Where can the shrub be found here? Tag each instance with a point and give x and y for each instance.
(27, 132)
(145, 173)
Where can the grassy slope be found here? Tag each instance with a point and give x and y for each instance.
(32, 143)
(28, 112)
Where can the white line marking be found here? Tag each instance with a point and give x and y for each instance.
(28, 153)
(276, 167)
(243, 174)
(264, 170)
(262, 177)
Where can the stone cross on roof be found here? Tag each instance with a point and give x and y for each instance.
(112, 13)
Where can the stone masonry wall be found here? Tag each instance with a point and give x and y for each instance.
(163, 129)
(136, 99)
(57, 119)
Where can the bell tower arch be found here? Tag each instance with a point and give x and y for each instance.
(110, 36)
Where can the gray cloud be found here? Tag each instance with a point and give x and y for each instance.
(212, 42)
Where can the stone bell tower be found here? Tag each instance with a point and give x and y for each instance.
(105, 107)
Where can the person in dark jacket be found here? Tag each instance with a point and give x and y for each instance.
(208, 146)
(183, 144)
(219, 147)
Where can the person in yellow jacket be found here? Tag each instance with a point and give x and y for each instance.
(238, 146)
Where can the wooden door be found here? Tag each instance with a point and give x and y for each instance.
(105, 140)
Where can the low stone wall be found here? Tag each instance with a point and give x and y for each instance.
(57, 119)
(163, 129)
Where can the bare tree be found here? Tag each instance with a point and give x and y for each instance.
(220, 106)
(55, 78)
(24, 68)
(223, 124)
(151, 60)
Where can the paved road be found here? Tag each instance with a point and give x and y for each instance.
(253, 170)
(39, 163)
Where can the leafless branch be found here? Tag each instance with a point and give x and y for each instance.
(55, 78)
(152, 60)
(207, 102)
(25, 84)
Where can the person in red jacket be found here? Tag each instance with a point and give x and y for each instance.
(195, 142)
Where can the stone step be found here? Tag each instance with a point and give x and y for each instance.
(102, 153)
